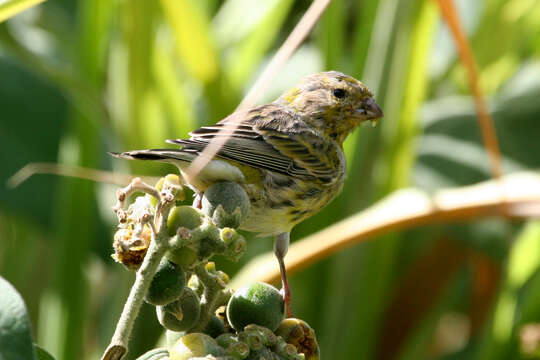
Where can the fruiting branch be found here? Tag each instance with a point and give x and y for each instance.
(166, 244)
(157, 248)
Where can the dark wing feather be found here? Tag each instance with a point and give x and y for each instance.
(273, 138)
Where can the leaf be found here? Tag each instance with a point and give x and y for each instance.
(9, 8)
(194, 43)
(332, 35)
(42, 354)
(15, 335)
(28, 102)
(174, 93)
(452, 150)
(244, 55)
(523, 261)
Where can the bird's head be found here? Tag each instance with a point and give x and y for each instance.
(332, 102)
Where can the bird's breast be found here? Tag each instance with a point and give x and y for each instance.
(279, 202)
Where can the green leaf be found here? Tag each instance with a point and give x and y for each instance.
(243, 56)
(194, 43)
(333, 34)
(173, 92)
(9, 8)
(452, 151)
(45, 116)
(42, 354)
(523, 261)
(15, 335)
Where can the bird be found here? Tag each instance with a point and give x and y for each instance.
(287, 155)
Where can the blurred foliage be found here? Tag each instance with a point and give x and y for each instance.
(80, 78)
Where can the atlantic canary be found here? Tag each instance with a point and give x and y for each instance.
(287, 155)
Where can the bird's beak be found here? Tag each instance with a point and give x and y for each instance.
(370, 110)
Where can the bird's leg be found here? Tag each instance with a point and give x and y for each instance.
(197, 201)
(281, 245)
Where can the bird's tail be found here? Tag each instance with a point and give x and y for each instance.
(165, 155)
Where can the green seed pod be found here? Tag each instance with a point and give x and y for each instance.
(298, 333)
(227, 203)
(182, 314)
(155, 354)
(236, 243)
(167, 284)
(215, 327)
(183, 216)
(259, 303)
(194, 345)
(238, 350)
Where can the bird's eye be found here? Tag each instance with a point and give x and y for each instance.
(339, 93)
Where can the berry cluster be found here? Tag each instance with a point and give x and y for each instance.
(203, 317)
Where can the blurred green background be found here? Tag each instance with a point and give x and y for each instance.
(80, 78)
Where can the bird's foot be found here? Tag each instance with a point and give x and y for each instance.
(286, 294)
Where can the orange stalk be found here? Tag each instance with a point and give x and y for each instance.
(405, 209)
(466, 56)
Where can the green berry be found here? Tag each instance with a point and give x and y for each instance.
(182, 314)
(167, 284)
(227, 203)
(215, 327)
(183, 216)
(184, 256)
(259, 303)
(194, 345)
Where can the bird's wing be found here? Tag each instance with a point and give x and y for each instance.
(273, 138)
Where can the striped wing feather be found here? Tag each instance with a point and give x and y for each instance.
(272, 138)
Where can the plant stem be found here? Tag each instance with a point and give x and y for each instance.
(118, 347)
(212, 294)
(158, 246)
